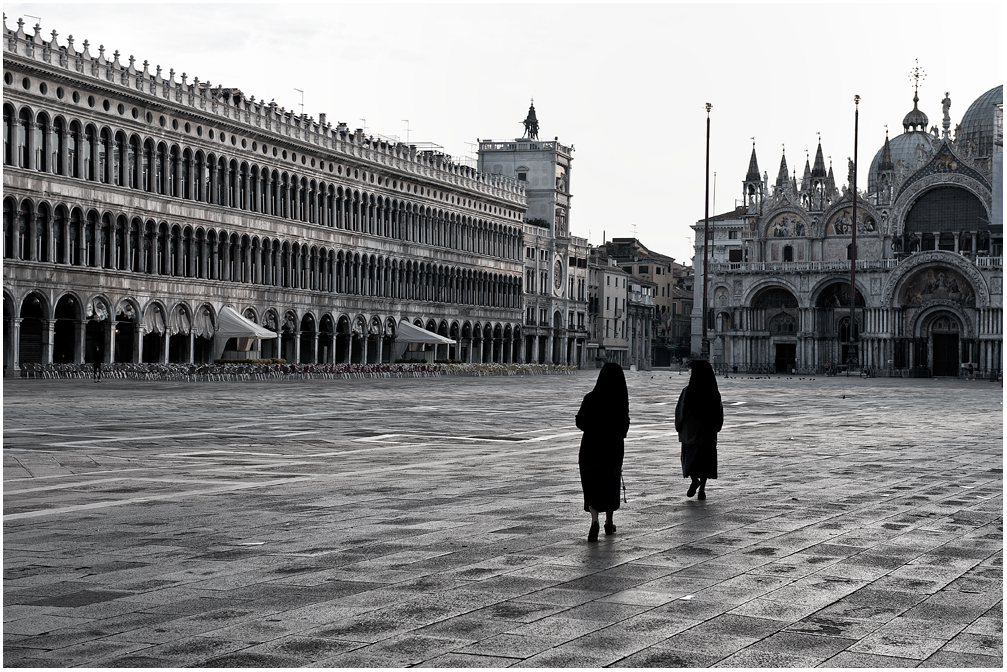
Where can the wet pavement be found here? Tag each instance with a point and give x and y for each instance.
(438, 522)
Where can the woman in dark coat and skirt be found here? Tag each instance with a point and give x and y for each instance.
(604, 419)
(699, 415)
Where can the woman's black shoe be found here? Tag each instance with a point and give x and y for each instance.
(609, 528)
(592, 534)
(702, 494)
(692, 489)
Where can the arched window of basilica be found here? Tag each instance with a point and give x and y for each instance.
(73, 140)
(104, 156)
(8, 135)
(147, 159)
(135, 248)
(57, 133)
(160, 167)
(41, 236)
(59, 234)
(173, 172)
(120, 152)
(222, 183)
(40, 137)
(75, 238)
(89, 152)
(134, 162)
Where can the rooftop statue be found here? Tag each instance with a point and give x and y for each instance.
(531, 123)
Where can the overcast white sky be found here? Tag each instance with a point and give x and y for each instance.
(625, 84)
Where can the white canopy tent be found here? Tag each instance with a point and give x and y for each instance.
(408, 334)
(232, 324)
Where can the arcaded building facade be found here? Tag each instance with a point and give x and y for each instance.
(929, 255)
(138, 203)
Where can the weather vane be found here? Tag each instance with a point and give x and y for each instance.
(917, 75)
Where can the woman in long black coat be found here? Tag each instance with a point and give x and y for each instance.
(699, 415)
(604, 418)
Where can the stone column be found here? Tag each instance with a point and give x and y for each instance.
(80, 338)
(138, 335)
(15, 348)
(363, 348)
(296, 335)
(192, 346)
(47, 340)
(314, 340)
(162, 356)
(110, 342)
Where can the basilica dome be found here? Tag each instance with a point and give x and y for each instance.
(904, 148)
(978, 125)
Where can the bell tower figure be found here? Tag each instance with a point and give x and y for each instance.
(531, 123)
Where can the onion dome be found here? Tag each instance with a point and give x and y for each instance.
(905, 148)
(978, 123)
(915, 117)
(753, 168)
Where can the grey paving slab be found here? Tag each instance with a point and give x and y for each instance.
(438, 523)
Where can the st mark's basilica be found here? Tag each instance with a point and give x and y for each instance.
(929, 257)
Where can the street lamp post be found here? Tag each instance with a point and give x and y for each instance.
(851, 358)
(705, 354)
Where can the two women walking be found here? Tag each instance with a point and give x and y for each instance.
(604, 419)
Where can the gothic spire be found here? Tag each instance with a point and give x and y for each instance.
(819, 169)
(886, 156)
(753, 167)
(784, 176)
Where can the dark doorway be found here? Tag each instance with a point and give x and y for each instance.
(152, 348)
(94, 341)
(945, 354)
(63, 341)
(125, 334)
(178, 348)
(786, 357)
(203, 349)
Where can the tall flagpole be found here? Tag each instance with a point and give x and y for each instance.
(706, 244)
(853, 253)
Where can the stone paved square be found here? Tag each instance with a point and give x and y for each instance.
(438, 522)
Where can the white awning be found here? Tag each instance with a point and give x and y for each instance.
(409, 333)
(231, 324)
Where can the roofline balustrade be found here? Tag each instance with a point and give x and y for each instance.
(827, 266)
(231, 109)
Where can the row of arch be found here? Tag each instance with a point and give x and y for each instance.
(75, 329)
(108, 156)
(74, 237)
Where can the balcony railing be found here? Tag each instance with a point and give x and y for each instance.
(827, 266)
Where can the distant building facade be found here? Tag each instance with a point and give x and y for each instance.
(929, 251)
(654, 271)
(555, 272)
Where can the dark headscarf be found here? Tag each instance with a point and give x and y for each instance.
(610, 391)
(702, 391)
